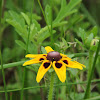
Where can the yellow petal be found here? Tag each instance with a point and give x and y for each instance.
(72, 64)
(45, 66)
(48, 49)
(34, 61)
(80, 64)
(35, 55)
(30, 62)
(65, 56)
(60, 70)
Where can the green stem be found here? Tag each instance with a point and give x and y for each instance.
(92, 70)
(44, 15)
(51, 25)
(43, 86)
(3, 73)
(51, 86)
(90, 67)
(90, 61)
(0, 10)
(24, 83)
(9, 65)
(42, 9)
(25, 74)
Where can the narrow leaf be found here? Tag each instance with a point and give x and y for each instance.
(48, 14)
(21, 44)
(26, 18)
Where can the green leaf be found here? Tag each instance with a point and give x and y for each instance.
(18, 22)
(76, 96)
(94, 98)
(21, 30)
(26, 18)
(32, 68)
(21, 44)
(34, 28)
(79, 42)
(88, 40)
(82, 34)
(66, 10)
(32, 48)
(43, 36)
(63, 4)
(34, 16)
(37, 25)
(59, 24)
(16, 17)
(94, 31)
(44, 32)
(74, 72)
(43, 50)
(48, 14)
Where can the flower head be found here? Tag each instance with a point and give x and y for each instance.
(55, 59)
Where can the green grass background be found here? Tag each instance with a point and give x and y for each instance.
(71, 27)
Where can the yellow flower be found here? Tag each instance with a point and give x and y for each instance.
(57, 60)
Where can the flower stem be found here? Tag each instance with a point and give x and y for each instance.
(51, 87)
(89, 70)
(90, 61)
(3, 74)
(92, 70)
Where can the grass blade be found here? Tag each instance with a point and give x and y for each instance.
(92, 70)
(3, 74)
(24, 82)
(0, 10)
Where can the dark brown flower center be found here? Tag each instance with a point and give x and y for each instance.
(54, 56)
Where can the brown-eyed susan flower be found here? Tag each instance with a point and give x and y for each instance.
(55, 59)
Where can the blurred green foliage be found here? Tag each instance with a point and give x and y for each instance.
(73, 32)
